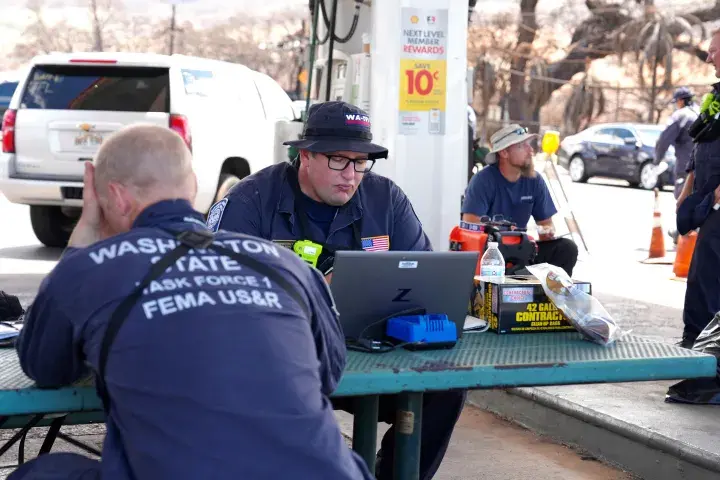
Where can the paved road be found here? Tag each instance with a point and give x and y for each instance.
(617, 223)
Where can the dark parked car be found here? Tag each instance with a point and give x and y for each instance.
(620, 150)
(6, 92)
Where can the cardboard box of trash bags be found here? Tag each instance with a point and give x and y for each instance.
(518, 304)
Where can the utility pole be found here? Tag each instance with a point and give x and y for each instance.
(96, 26)
(172, 30)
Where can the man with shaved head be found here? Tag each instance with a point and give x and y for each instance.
(214, 354)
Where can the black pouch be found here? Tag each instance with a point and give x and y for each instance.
(11, 315)
(697, 126)
(10, 308)
(709, 132)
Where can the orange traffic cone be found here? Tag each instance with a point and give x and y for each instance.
(685, 249)
(656, 253)
(657, 240)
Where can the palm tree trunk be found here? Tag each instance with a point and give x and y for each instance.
(518, 100)
(653, 88)
(650, 9)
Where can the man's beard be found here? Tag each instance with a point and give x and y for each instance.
(528, 170)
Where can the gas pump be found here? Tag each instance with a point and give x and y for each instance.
(405, 63)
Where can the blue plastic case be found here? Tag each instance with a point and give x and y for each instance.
(432, 330)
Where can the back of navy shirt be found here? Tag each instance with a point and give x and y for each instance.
(490, 193)
(216, 373)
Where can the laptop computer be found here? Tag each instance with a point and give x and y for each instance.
(371, 286)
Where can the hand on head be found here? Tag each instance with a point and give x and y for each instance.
(91, 225)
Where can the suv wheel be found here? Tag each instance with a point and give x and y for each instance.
(51, 226)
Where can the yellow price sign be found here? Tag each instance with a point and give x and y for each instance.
(422, 85)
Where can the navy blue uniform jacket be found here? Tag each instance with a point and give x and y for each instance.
(216, 373)
(676, 133)
(263, 205)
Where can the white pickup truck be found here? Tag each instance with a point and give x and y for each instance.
(65, 105)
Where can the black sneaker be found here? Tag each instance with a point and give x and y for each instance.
(688, 340)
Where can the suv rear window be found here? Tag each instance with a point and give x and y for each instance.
(116, 89)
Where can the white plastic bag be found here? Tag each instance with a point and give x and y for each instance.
(584, 311)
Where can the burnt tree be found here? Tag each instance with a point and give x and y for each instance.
(593, 39)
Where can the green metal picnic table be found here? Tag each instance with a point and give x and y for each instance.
(478, 361)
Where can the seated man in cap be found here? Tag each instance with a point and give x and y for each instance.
(329, 197)
(510, 187)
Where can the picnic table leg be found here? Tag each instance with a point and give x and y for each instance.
(407, 436)
(21, 433)
(365, 422)
(52, 434)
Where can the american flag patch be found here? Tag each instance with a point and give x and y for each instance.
(376, 244)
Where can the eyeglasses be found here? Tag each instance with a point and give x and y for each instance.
(340, 163)
(517, 131)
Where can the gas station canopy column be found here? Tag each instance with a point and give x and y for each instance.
(413, 81)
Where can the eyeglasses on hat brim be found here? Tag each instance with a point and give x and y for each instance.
(517, 131)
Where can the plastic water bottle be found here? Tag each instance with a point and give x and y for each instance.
(492, 263)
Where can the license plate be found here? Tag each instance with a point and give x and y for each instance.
(88, 140)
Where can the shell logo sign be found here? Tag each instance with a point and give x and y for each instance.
(414, 19)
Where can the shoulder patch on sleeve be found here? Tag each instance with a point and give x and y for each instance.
(215, 214)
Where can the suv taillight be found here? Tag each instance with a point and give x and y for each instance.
(8, 131)
(180, 124)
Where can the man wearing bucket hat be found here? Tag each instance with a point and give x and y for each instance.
(509, 186)
(329, 200)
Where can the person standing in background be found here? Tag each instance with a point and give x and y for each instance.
(677, 134)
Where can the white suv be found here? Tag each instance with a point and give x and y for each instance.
(67, 104)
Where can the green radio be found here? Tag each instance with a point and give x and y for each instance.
(308, 251)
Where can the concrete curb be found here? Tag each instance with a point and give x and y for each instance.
(636, 433)
(632, 447)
